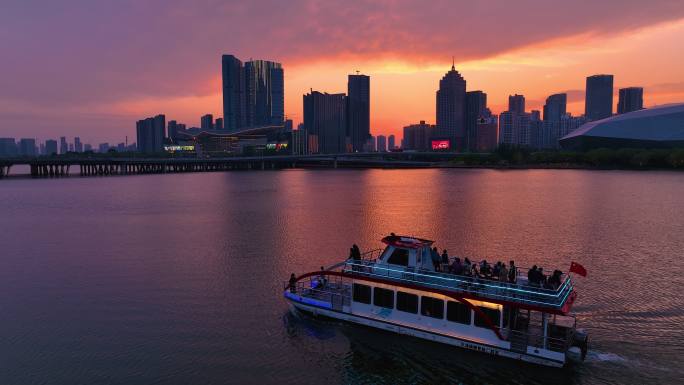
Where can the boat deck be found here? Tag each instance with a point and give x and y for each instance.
(518, 293)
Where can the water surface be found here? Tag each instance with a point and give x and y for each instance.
(176, 278)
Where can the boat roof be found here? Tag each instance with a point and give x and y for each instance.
(406, 242)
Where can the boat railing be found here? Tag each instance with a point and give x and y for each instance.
(498, 290)
(329, 289)
(538, 340)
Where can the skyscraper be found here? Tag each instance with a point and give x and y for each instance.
(417, 136)
(391, 142)
(27, 147)
(325, 122)
(78, 146)
(358, 111)
(599, 97)
(8, 147)
(487, 137)
(150, 134)
(516, 103)
(253, 93)
(476, 108)
(451, 105)
(555, 106)
(554, 110)
(264, 92)
(382, 143)
(233, 76)
(50, 147)
(630, 99)
(207, 122)
(218, 124)
(172, 130)
(63, 145)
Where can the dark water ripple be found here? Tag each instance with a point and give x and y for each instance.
(171, 279)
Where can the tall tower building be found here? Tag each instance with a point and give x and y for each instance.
(325, 122)
(382, 143)
(207, 122)
(516, 103)
(555, 106)
(391, 142)
(78, 146)
(358, 111)
(476, 108)
(233, 75)
(599, 97)
(150, 134)
(630, 99)
(63, 145)
(451, 104)
(264, 92)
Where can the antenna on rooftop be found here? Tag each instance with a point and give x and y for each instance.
(453, 63)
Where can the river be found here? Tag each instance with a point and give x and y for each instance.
(177, 278)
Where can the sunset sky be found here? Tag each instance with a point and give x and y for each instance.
(92, 68)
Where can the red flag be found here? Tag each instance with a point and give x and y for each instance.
(577, 268)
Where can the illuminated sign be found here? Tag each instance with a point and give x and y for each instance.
(276, 146)
(442, 144)
(179, 148)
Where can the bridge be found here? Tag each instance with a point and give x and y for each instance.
(93, 165)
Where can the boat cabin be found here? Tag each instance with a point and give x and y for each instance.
(407, 253)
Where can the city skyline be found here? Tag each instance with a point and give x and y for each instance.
(539, 60)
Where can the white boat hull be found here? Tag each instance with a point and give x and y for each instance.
(424, 334)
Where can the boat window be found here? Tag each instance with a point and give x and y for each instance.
(432, 307)
(399, 257)
(407, 302)
(383, 297)
(493, 315)
(458, 312)
(362, 293)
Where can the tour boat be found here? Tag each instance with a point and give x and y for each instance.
(400, 289)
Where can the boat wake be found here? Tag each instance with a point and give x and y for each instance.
(596, 356)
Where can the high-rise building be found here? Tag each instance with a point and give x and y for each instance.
(87, 147)
(103, 148)
(41, 149)
(554, 110)
(555, 106)
(71, 147)
(218, 124)
(536, 130)
(63, 145)
(78, 146)
(8, 147)
(358, 111)
(630, 99)
(207, 122)
(382, 143)
(391, 142)
(27, 147)
(253, 93)
(172, 130)
(264, 92)
(599, 97)
(451, 104)
(506, 122)
(325, 122)
(417, 136)
(476, 108)
(516, 103)
(150, 134)
(371, 145)
(521, 129)
(569, 124)
(51, 147)
(233, 76)
(487, 134)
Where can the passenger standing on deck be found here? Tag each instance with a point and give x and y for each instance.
(322, 280)
(434, 254)
(445, 257)
(513, 273)
(293, 283)
(467, 267)
(503, 272)
(532, 278)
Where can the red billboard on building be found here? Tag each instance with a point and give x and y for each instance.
(441, 144)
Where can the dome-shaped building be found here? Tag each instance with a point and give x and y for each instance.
(657, 127)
